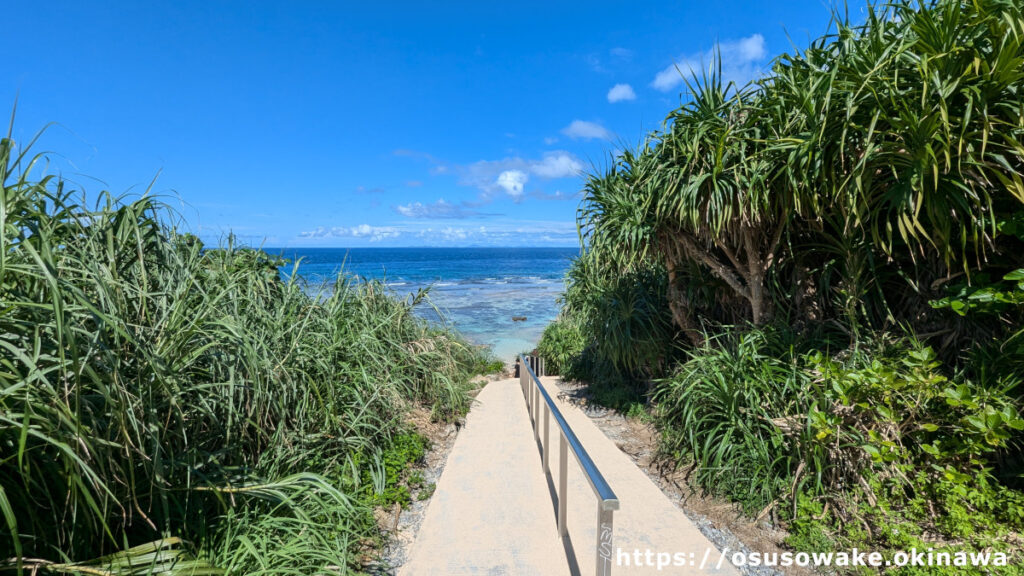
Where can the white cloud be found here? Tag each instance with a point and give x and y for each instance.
(594, 62)
(512, 182)
(583, 130)
(447, 235)
(439, 209)
(550, 140)
(557, 165)
(510, 175)
(620, 53)
(552, 233)
(498, 233)
(740, 63)
(621, 92)
(372, 233)
(450, 233)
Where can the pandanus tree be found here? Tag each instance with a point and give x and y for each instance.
(884, 153)
(614, 284)
(933, 151)
(697, 198)
(714, 200)
(902, 138)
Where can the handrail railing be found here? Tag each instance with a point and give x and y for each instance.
(606, 499)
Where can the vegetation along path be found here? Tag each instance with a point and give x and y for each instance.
(493, 513)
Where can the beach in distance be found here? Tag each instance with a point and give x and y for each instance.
(478, 291)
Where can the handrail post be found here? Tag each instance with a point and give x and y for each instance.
(563, 484)
(604, 540)
(546, 441)
(536, 404)
(529, 398)
(536, 417)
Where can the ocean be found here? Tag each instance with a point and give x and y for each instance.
(477, 290)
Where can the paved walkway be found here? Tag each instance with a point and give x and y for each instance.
(492, 511)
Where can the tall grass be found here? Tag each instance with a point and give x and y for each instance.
(721, 408)
(170, 409)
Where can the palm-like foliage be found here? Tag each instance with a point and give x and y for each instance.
(911, 124)
(620, 313)
(715, 203)
(887, 150)
(698, 194)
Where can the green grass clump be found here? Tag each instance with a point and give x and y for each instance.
(168, 408)
(390, 482)
(561, 341)
(720, 411)
(492, 366)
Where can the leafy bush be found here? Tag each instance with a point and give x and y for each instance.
(614, 326)
(850, 440)
(890, 404)
(561, 342)
(906, 446)
(386, 484)
(728, 410)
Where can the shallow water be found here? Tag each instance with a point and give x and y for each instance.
(477, 290)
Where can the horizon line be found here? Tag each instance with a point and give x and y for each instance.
(410, 247)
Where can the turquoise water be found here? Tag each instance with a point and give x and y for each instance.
(477, 290)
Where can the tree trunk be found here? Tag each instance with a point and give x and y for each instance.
(758, 312)
(680, 311)
(754, 278)
(746, 279)
(681, 316)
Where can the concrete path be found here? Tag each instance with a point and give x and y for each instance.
(493, 510)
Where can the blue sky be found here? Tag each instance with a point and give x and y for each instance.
(372, 123)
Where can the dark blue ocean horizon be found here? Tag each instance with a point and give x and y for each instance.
(477, 290)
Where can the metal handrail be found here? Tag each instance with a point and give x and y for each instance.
(607, 501)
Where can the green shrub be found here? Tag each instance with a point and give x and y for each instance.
(887, 404)
(389, 482)
(727, 410)
(908, 452)
(848, 443)
(623, 318)
(561, 342)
